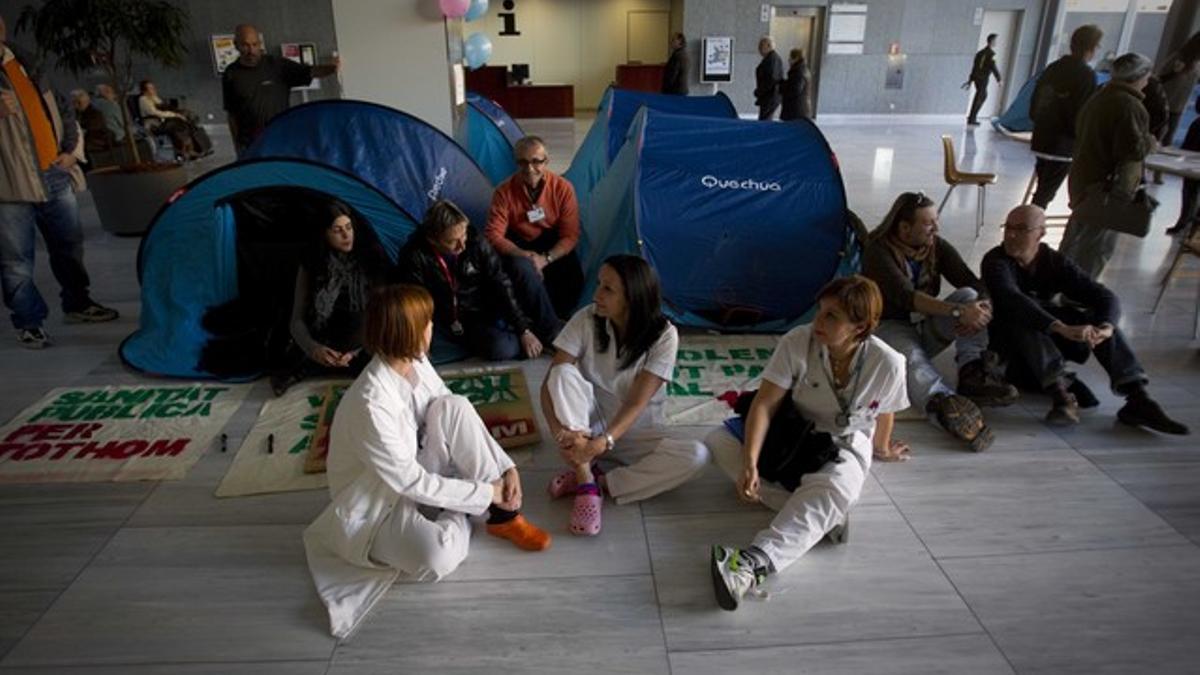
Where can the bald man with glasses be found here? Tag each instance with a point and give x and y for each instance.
(534, 224)
(1038, 334)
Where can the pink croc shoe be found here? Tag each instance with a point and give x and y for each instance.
(585, 512)
(563, 484)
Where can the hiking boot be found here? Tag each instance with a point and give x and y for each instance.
(1064, 410)
(732, 577)
(93, 313)
(962, 418)
(33, 338)
(982, 382)
(1142, 411)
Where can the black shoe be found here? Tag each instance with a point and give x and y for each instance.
(973, 123)
(1142, 411)
(93, 313)
(1083, 395)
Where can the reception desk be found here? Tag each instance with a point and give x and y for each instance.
(640, 77)
(522, 100)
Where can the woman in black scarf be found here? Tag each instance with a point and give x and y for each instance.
(332, 286)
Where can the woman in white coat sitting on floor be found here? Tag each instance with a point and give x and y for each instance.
(408, 462)
(603, 397)
(848, 384)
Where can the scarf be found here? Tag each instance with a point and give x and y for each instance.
(342, 275)
(925, 255)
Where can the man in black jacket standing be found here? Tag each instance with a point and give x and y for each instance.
(1038, 337)
(475, 303)
(675, 72)
(768, 77)
(983, 66)
(1060, 93)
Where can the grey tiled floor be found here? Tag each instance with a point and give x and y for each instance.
(1056, 551)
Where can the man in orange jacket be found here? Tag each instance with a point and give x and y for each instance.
(534, 224)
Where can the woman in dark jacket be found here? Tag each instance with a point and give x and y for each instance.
(330, 301)
(797, 102)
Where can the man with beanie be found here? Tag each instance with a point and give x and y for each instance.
(1113, 139)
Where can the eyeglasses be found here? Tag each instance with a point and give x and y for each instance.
(536, 161)
(1020, 227)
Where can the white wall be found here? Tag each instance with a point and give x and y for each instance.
(394, 53)
(577, 42)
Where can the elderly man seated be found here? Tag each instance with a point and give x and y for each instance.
(1037, 336)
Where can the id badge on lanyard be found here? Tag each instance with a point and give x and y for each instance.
(456, 327)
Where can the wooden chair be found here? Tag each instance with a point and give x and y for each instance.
(1189, 246)
(954, 178)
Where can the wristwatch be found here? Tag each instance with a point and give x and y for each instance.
(549, 256)
(608, 442)
(956, 312)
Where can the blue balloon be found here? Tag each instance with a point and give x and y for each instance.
(478, 8)
(478, 49)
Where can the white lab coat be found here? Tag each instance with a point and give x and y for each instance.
(380, 478)
(588, 394)
(824, 498)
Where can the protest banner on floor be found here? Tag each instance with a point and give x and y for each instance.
(115, 433)
(710, 372)
(274, 454)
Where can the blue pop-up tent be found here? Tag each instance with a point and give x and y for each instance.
(1017, 117)
(741, 234)
(201, 245)
(616, 114)
(408, 160)
(491, 134)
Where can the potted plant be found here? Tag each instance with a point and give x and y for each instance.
(107, 36)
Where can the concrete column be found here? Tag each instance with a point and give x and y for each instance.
(397, 54)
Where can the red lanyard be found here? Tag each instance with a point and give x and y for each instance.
(453, 285)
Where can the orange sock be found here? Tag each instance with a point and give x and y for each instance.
(524, 534)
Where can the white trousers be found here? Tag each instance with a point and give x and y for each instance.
(818, 505)
(419, 541)
(649, 462)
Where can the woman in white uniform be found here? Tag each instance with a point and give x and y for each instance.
(408, 462)
(849, 384)
(604, 396)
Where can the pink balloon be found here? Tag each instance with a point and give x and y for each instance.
(454, 9)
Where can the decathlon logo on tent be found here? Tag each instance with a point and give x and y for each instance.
(710, 181)
(438, 181)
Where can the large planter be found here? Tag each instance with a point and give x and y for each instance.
(128, 199)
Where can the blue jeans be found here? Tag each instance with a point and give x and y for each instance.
(58, 220)
(920, 344)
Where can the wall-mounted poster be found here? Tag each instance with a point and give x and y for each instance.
(301, 52)
(223, 51)
(718, 59)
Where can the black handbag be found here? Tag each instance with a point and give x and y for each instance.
(1100, 207)
(793, 447)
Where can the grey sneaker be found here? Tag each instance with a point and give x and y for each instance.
(33, 338)
(93, 313)
(732, 577)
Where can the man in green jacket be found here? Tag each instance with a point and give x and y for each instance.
(1112, 140)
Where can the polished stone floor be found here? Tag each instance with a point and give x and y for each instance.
(1056, 551)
